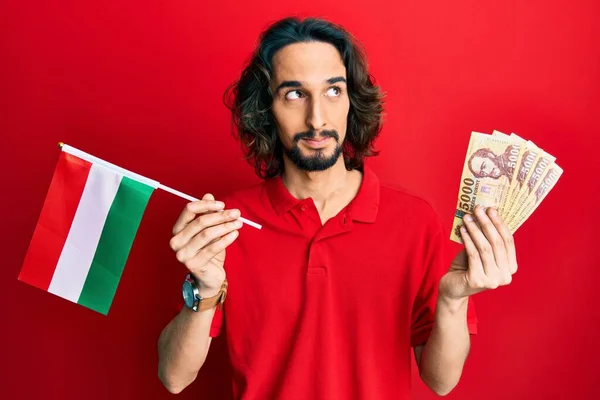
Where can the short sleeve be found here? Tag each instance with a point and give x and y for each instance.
(436, 262)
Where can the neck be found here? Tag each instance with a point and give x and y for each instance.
(319, 185)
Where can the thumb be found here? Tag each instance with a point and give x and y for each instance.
(461, 261)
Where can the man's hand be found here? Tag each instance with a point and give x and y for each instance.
(488, 261)
(200, 238)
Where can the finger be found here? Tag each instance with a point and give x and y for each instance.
(476, 273)
(207, 204)
(200, 224)
(205, 238)
(493, 237)
(507, 237)
(199, 263)
(476, 277)
(484, 248)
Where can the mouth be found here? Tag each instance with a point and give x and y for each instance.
(317, 143)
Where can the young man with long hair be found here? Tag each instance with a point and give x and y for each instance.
(347, 277)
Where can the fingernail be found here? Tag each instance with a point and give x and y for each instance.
(468, 218)
(234, 213)
(493, 212)
(238, 224)
(220, 204)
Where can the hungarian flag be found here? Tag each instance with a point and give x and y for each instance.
(86, 228)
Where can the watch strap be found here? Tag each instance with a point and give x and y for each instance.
(207, 303)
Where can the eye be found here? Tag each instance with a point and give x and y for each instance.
(334, 91)
(292, 95)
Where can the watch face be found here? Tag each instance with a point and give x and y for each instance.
(188, 294)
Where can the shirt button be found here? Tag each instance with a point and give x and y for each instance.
(303, 208)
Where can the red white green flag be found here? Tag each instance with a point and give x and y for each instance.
(86, 228)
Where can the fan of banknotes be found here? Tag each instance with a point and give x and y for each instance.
(505, 171)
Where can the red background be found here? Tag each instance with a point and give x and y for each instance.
(140, 83)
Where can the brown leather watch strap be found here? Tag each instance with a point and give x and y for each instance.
(217, 300)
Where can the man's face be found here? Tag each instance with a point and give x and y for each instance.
(310, 103)
(485, 166)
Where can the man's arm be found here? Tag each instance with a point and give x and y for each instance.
(442, 358)
(487, 262)
(200, 237)
(182, 348)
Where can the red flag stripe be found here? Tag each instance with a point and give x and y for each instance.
(54, 223)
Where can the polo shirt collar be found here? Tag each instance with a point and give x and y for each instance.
(363, 207)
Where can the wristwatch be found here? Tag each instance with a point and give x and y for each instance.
(193, 300)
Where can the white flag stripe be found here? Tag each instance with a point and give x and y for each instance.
(82, 241)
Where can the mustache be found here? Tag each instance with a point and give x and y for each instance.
(310, 134)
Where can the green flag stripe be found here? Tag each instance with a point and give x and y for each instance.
(115, 244)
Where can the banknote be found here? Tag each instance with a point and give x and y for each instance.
(486, 175)
(543, 187)
(542, 165)
(530, 156)
(516, 154)
(507, 172)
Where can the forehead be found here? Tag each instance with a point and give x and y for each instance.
(312, 63)
(478, 160)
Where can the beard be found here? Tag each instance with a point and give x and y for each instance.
(318, 161)
(496, 172)
(500, 164)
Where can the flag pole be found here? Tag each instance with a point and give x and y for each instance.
(190, 198)
(156, 184)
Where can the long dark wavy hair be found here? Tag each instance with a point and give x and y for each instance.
(250, 97)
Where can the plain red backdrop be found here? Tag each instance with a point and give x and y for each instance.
(140, 83)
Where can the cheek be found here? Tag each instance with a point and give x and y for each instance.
(339, 113)
(289, 122)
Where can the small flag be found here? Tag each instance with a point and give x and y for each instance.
(86, 228)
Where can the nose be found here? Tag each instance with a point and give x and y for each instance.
(316, 115)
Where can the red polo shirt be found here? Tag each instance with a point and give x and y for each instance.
(330, 311)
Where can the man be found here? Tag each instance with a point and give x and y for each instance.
(346, 276)
(485, 164)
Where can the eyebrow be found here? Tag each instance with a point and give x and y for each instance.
(297, 84)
